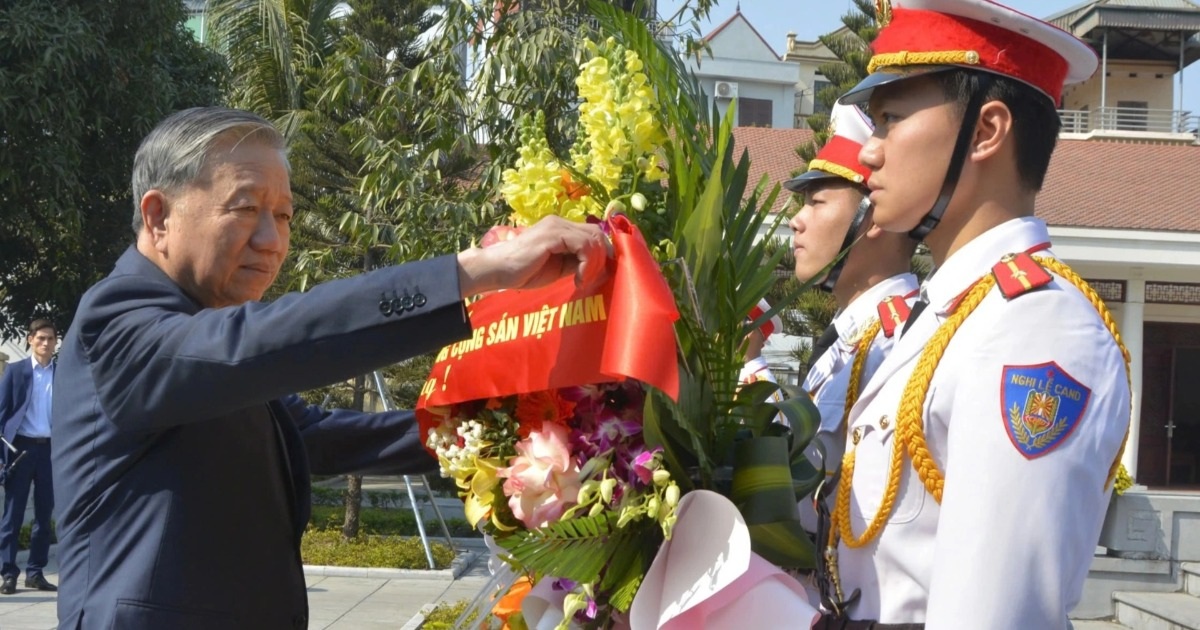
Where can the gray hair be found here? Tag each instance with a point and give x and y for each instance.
(175, 153)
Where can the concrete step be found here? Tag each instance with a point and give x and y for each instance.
(1191, 578)
(1097, 625)
(1158, 611)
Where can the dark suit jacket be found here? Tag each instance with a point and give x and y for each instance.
(182, 462)
(14, 397)
(14, 402)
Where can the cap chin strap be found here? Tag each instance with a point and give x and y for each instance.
(965, 133)
(860, 216)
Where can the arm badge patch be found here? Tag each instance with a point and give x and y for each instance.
(1040, 405)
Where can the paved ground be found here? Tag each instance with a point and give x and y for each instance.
(335, 602)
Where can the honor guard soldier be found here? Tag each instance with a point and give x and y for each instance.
(756, 368)
(871, 284)
(982, 452)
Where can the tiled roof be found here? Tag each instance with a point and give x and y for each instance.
(1122, 186)
(773, 152)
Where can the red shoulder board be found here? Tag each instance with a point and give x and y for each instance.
(893, 312)
(1019, 273)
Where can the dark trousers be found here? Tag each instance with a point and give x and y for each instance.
(33, 469)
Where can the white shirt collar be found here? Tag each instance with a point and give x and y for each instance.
(38, 366)
(977, 257)
(865, 308)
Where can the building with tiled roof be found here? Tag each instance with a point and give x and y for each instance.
(746, 69)
(1123, 186)
(772, 153)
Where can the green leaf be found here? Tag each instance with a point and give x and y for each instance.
(576, 549)
(764, 494)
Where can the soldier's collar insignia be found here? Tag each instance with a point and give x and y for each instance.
(1041, 406)
(893, 312)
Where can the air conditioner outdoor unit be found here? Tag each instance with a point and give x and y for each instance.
(727, 89)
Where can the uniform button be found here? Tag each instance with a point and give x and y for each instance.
(407, 302)
(420, 300)
(397, 306)
(385, 307)
(883, 422)
(857, 435)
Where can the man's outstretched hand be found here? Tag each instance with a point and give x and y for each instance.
(552, 248)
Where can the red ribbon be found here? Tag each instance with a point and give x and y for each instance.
(562, 336)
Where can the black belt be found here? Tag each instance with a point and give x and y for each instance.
(839, 623)
(33, 440)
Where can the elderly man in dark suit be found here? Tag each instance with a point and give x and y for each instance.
(25, 394)
(182, 460)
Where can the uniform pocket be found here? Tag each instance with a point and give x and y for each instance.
(873, 465)
(132, 614)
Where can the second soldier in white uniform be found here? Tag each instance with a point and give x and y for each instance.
(872, 284)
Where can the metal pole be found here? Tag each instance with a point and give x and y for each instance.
(412, 497)
(438, 512)
(1104, 82)
(1179, 114)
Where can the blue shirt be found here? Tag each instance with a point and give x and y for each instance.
(37, 416)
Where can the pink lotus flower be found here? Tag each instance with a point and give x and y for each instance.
(543, 479)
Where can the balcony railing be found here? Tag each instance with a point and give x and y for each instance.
(1135, 119)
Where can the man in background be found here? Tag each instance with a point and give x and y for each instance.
(25, 398)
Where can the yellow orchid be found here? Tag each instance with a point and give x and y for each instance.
(481, 491)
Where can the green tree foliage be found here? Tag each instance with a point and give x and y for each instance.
(850, 44)
(81, 82)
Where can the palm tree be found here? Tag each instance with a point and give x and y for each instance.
(271, 47)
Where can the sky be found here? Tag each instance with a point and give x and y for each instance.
(811, 18)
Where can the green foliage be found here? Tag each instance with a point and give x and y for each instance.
(852, 48)
(817, 309)
(445, 614)
(593, 549)
(26, 531)
(81, 82)
(327, 548)
(720, 270)
(387, 522)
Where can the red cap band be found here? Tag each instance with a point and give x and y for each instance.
(1000, 50)
(843, 152)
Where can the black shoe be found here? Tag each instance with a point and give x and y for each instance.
(9, 587)
(37, 581)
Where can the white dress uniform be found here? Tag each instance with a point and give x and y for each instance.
(1010, 545)
(829, 379)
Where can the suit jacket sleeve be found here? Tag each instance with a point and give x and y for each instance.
(342, 441)
(159, 360)
(7, 408)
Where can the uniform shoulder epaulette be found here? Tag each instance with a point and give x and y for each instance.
(893, 312)
(1017, 274)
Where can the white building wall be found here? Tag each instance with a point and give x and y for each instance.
(740, 56)
(1153, 83)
